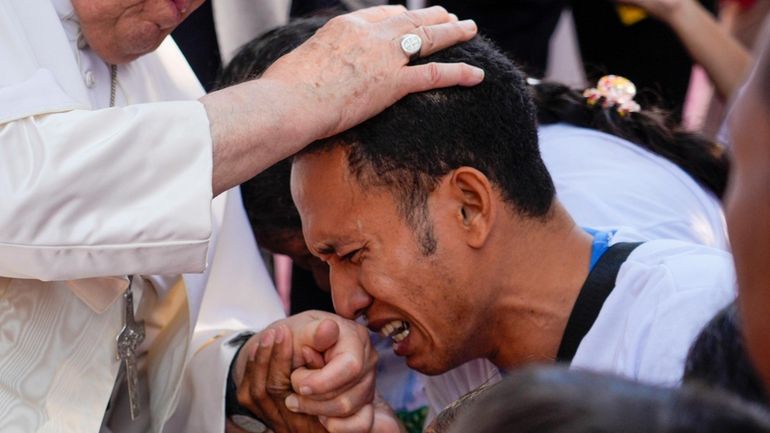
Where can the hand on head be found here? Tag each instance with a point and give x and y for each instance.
(352, 69)
(354, 66)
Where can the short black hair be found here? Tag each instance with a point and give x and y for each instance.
(718, 358)
(555, 399)
(491, 127)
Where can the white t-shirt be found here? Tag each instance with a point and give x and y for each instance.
(665, 292)
(605, 181)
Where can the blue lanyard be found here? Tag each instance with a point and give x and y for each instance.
(599, 246)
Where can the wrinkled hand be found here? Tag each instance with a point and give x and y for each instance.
(332, 370)
(353, 67)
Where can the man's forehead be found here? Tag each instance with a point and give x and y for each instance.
(323, 176)
(321, 189)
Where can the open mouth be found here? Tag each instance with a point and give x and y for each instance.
(397, 330)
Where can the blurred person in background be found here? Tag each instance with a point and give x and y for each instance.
(557, 400)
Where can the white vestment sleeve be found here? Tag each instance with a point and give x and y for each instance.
(106, 192)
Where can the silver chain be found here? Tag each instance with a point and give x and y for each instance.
(113, 83)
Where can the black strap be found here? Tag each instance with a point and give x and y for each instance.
(232, 407)
(594, 292)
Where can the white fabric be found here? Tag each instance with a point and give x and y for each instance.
(605, 181)
(239, 21)
(92, 194)
(665, 293)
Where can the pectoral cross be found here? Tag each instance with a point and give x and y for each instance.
(130, 337)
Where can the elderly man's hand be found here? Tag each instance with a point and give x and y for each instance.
(331, 362)
(350, 70)
(354, 66)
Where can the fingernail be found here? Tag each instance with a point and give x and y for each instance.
(305, 390)
(267, 338)
(469, 25)
(279, 335)
(453, 17)
(292, 403)
(253, 352)
(478, 74)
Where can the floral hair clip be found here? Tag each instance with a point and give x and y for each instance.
(614, 91)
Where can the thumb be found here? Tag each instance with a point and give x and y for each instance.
(320, 335)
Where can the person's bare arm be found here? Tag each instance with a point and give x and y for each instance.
(352, 69)
(723, 58)
(748, 208)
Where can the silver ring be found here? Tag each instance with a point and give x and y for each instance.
(411, 45)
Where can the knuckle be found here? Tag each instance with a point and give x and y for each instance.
(257, 393)
(428, 37)
(345, 406)
(383, 10)
(243, 395)
(354, 363)
(339, 21)
(277, 388)
(261, 360)
(433, 73)
(441, 10)
(368, 380)
(363, 334)
(412, 18)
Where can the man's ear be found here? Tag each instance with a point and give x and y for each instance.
(475, 199)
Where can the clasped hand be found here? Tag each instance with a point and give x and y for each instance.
(312, 372)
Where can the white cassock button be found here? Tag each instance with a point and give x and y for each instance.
(89, 79)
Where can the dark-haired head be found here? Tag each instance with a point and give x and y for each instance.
(419, 211)
(554, 400)
(491, 127)
(718, 358)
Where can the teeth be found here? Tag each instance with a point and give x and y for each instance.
(397, 330)
(400, 336)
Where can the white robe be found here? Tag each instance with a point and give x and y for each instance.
(91, 195)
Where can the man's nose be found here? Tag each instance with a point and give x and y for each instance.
(349, 297)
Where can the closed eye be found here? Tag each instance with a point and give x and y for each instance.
(351, 256)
